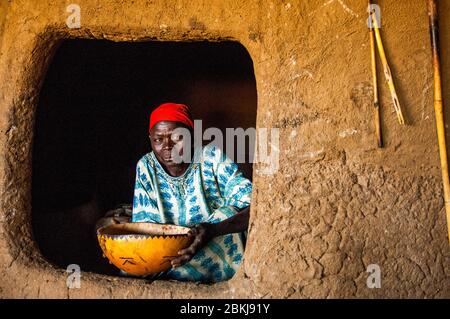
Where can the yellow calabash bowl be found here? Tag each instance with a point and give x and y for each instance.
(142, 248)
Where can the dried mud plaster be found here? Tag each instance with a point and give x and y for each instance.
(336, 204)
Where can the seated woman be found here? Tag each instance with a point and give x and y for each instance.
(208, 193)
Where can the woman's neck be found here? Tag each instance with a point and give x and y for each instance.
(176, 170)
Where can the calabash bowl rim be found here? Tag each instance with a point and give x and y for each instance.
(142, 230)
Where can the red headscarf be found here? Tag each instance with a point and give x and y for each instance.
(171, 112)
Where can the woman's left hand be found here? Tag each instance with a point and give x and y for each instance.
(202, 234)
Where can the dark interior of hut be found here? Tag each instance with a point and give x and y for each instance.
(91, 128)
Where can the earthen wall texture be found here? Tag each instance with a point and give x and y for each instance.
(336, 204)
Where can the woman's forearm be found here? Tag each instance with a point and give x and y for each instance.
(235, 224)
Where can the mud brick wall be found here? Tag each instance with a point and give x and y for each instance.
(337, 202)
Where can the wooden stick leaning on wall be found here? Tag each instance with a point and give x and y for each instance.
(438, 106)
(387, 72)
(376, 103)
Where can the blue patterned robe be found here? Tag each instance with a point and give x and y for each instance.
(211, 190)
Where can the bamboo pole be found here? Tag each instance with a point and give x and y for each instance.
(387, 72)
(376, 103)
(438, 106)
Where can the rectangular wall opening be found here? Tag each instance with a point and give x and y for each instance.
(91, 128)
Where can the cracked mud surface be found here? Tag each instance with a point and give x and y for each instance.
(336, 203)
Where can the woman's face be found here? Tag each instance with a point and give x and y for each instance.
(163, 140)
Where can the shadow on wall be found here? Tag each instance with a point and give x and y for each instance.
(91, 128)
